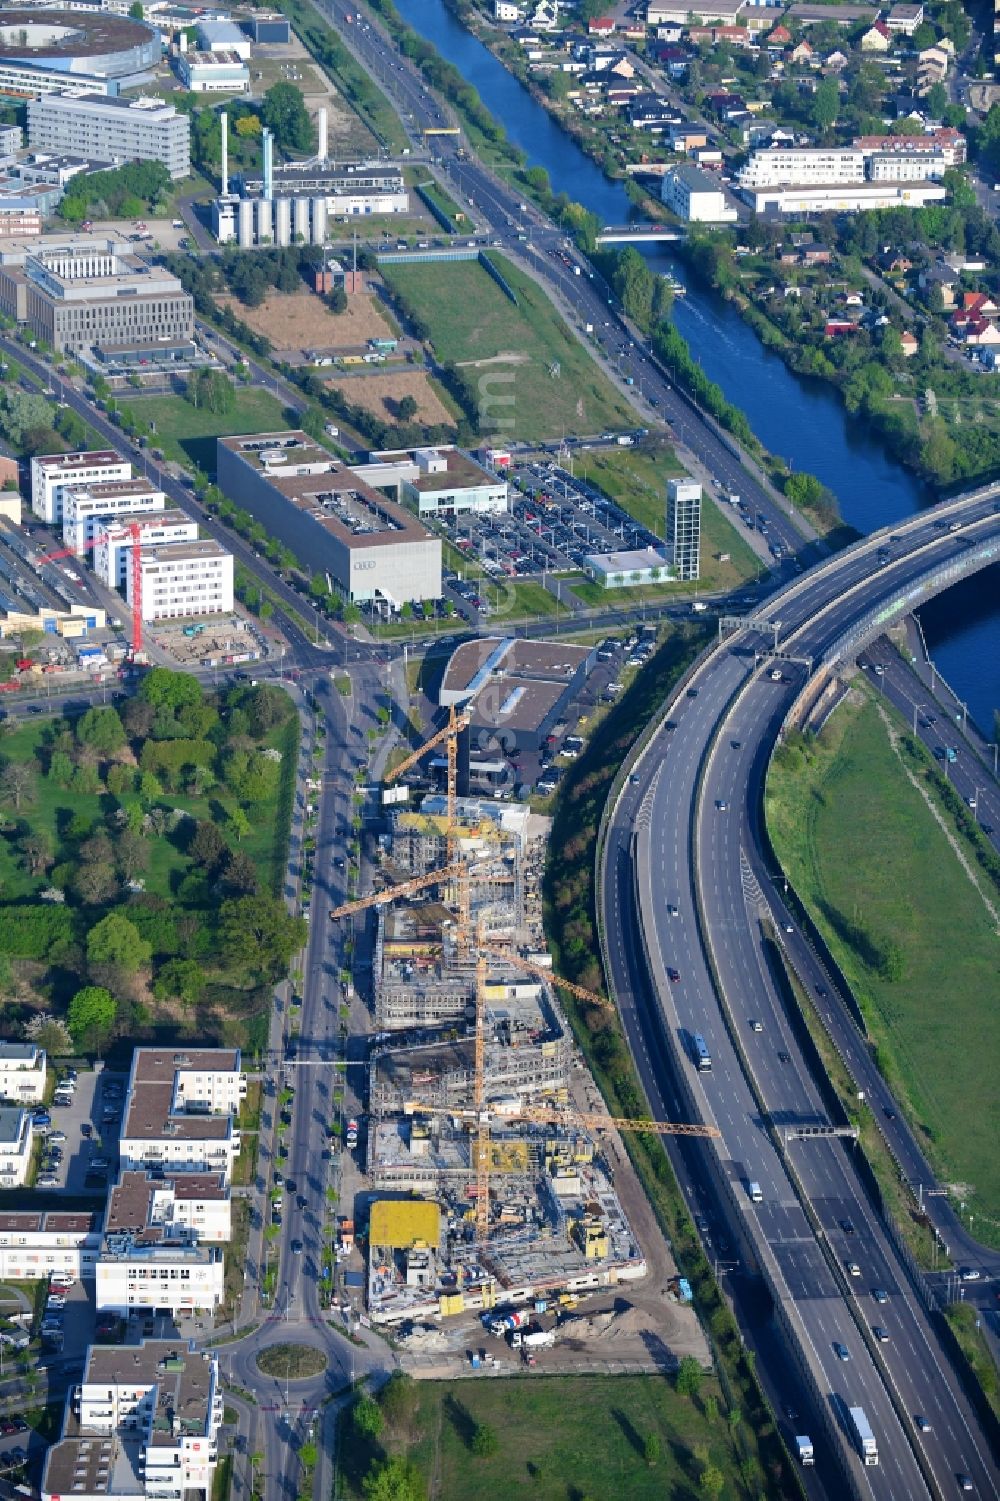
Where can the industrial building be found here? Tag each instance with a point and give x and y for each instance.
(35, 1243)
(80, 292)
(110, 556)
(112, 129)
(53, 474)
(85, 508)
(373, 549)
(16, 1135)
(180, 1110)
(39, 48)
(852, 198)
(516, 690)
(213, 72)
(142, 1423)
(684, 527)
(268, 28)
(183, 579)
(224, 36)
(442, 481)
(23, 1069)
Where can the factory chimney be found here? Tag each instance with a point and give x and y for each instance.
(268, 165)
(225, 154)
(322, 133)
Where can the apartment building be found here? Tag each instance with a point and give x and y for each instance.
(112, 129)
(793, 166)
(695, 196)
(86, 508)
(182, 579)
(35, 1244)
(899, 166)
(15, 1146)
(22, 1073)
(134, 1274)
(142, 1424)
(946, 139)
(111, 553)
(189, 1208)
(53, 474)
(179, 1111)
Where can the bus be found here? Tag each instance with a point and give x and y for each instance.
(702, 1056)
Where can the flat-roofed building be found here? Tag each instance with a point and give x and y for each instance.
(115, 538)
(213, 72)
(684, 527)
(180, 1109)
(112, 129)
(515, 689)
(849, 198)
(142, 1424)
(15, 1145)
(627, 570)
(187, 1207)
(695, 196)
(35, 1243)
(86, 508)
(140, 1274)
(23, 1068)
(330, 518)
(181, 579)
(441, 481)
(780, 166)
(53, 474)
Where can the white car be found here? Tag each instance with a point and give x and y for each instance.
(47, 1180)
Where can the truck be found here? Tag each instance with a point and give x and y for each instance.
(624, 440)
(538, 1339)
(804, 1448)
(698, 606)
(863, 1436)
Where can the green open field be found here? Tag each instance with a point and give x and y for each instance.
(507, 352)
(910, 930)
(187, 434)
(635, 477)
(558, 1438)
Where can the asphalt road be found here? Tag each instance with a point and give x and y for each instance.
(702, 858)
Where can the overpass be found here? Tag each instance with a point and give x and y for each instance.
(686, 887)
(640, 234)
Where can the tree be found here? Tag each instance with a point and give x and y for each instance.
(826, 104)
(936, 100)
(132, 853)
(484, 1441)
(406, 408)
(208, 848)
(284, 112)
(367, 1417)
(101, 730)
(689, 1377)
(136, 11)
(171, 690)
(95, 884)
(238, 824)
(183, 978)
(48, 1032)
(652, 1449)
(17, 784)
(393, 1480)
(115, 940)
(712, 1482)
(91, 1016)
(257, 931)
(239, 877)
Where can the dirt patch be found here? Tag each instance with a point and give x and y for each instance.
(301, 320)
(379, 394)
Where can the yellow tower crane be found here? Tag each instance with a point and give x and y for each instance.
(449, 732)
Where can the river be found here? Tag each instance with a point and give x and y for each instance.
(802, 420)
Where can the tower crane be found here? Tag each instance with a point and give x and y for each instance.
(450, 733)
(520, 962)
(134, 531)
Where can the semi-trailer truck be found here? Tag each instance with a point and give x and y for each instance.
(804, 1448)
(863, 1436)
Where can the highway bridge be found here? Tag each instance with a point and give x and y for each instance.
(690, 923)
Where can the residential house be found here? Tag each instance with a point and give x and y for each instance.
(601, 26)
(878, 38)
(651, 113)
(545, 16)
(815, 255)
(894, 263)
(905, 18)
(675, 60)
(802, 53)
(621, 90)
(685, 138)
(836, 62)
(932, 67)
(780, 36)
(837, 327)
(727, 106)
(506, 11)
(943, 276)
(980, 332)
(910, 344)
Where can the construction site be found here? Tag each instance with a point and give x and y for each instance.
(509, 1188)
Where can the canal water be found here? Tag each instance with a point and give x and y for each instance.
(802, 420)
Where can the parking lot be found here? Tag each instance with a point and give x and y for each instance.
(90, 1130)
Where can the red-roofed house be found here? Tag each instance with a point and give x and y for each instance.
(601, 26)
(779, 37)
(878, 38)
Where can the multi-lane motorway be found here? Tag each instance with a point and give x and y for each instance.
(685, 881)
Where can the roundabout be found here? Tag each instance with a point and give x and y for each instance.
(290, 1361)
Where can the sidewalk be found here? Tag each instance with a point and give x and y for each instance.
(942, 691)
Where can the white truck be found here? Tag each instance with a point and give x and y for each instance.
(804, 1449)
(863, 1436)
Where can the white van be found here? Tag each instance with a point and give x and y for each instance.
(756, 1197)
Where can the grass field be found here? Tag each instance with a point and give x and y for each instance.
(187, 434)
(515, 597)
(904, 893)
(560, 1438)
(635, 477)
(507, 352)
(302, 320)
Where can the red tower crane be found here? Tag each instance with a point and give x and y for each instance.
(134, 530)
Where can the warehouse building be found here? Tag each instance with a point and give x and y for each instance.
(330, 518)
(852, 198)
(516, 690)
(142, 1423)
(443, 481)
(114, 540)
(86, 507)
(112, 130)
(179, 580)
(54, 474)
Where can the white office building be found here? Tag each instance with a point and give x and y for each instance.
(87, 508)
(22, 1073)
(894, 166)
(684, 527)
(114, 540)
(695, 196)
(183, 579)
(782, 166)
(15, 1146)
(213, 72)
(441, 481)
(135, 1274)
(54, 473)
(142, 1425)
(179, 1111)
(112, 129)
(35, 1244)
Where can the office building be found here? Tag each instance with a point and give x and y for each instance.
(34, 1244)
(179, 1111)
(684, 527)
(53, 474)
(442, 481)
(143, 1423)
(213, 72)
(334, 522)
(183, 579)
(781, 166)
(110, 556)
(82, 292)
(15, 1145)
(695, 196)
(22, 1073)
(87, 507)
(11, 139)
(136, 1274)
(112, 130)
(628, 570)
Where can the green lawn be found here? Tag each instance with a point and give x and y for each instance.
(889, 895)
(559, 1438)
(517, 597)
(635, 477)
(470, 319)
(187, 434)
